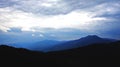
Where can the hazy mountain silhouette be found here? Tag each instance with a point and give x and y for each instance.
(102, 49)
(106, 54)
(45, 44)
(36, 45)
(54, 45)
(90, 39)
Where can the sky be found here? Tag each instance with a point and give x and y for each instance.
(25, 20)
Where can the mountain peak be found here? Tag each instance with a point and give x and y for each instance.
(93, 36)
(90, 37)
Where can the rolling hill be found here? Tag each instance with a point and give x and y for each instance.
(105, 54)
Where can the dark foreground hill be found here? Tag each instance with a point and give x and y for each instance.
(96, 55)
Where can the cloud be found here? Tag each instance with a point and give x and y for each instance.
(53, 7)
(28, 21)
(41, 35)
(107, 8)
(16, 30)
(44, 7)
(33, 35)
(6, 3)
(45, 15)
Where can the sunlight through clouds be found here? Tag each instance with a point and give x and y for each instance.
(26, 21)
(45, 16)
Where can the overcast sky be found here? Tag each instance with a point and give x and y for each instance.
(60, 19)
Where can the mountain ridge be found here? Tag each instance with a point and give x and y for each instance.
(54, 45)
(91, 55)
(84, 41)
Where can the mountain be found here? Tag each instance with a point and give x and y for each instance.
(20, 57)
(36, 45)
(90, 39)
(99, 49)
(87, 56)
(45, 44)
(53, 45)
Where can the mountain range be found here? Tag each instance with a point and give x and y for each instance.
(103, 54)
(54, 45)
(84, 41)
(45, 44)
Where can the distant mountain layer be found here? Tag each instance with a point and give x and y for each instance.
(88, 40)
(45, 44)
(91, 55)
(36, 45)
(52, 45)
(102, 49)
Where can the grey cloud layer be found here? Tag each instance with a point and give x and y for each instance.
(57, 6)
(25, 13)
